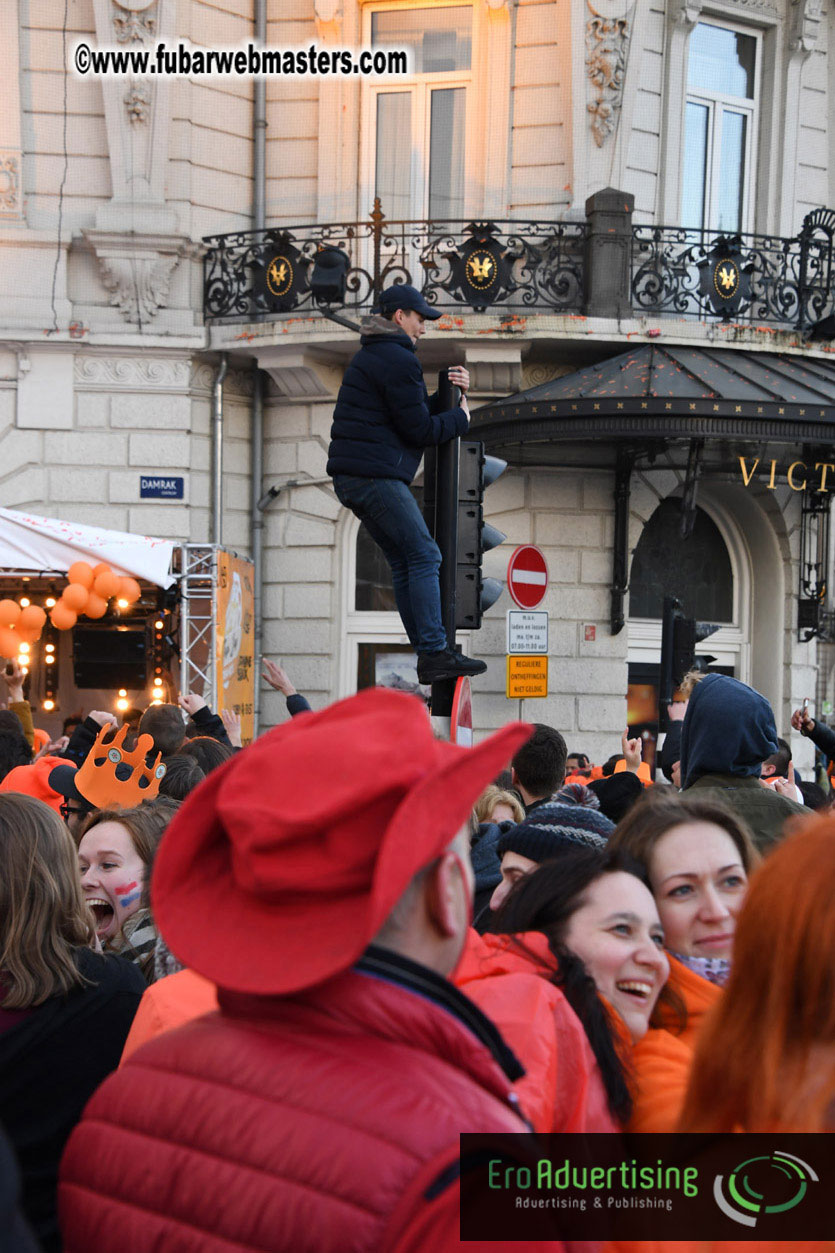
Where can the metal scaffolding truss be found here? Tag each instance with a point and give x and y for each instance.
(197, 578)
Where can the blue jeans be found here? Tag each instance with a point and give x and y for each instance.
(395, 523)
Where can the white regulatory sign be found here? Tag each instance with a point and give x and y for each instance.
(527, 631)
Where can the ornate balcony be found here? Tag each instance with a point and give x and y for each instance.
(742, 278)
(515, 266)
(603, 267)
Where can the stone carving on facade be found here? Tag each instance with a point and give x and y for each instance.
(138, 102)
(805, 23)
(607, 51)
(131, 372)
(204, 375)
(134, 21)
(10, 202)
(137, 269)
(138, 288)
(536, 375)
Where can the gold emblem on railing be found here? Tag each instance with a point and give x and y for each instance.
(279, 276)
(726, 278)
(481, 269)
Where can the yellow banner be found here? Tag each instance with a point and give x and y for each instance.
(235, 640)
(527, 677)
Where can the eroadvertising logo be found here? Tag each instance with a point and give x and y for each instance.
(784, 1172)
(646, 1187)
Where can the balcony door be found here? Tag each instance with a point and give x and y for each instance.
(415, 130)
(720, 129)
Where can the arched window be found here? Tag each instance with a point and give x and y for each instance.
(696, 570)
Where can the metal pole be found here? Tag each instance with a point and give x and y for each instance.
(217, 453)
(446, 537)
(259, 211)
(446, 512)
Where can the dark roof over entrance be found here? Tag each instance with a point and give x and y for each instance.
(667, 394)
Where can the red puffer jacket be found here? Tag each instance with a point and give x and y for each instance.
(325, 1122)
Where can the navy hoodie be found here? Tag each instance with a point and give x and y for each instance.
(728, 729)
(384, 418)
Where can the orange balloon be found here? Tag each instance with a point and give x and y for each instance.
(81, 572)
(129, 590)
(32, 618)
(29, 637)
(106, 584)
(96, 606)
(9, 612)
(62, 617)
(9, 641)
(102, 568)
(75, 597)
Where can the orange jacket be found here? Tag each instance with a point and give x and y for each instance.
(562, 1089)
(661, 1061)
(170, 1002)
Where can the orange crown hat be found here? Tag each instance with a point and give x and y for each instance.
(280, 868)
(112, 776)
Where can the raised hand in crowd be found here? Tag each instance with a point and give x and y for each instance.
(676, 710)
(14, 676)
(191, 702)
(277, 678)
(232, 722)
(631, 751)
(102, 717)
(52, 747)
(802, 721)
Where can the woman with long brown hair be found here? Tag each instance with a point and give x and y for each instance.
(65, 1009)
(115, 855)
(766, 1056)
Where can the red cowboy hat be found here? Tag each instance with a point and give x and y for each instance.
(279, 870)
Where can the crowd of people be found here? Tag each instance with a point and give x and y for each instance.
(250, 998)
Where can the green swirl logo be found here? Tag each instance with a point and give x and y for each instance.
(747, 1204)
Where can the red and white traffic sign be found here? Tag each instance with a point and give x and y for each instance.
(461, 721)
(527, 576)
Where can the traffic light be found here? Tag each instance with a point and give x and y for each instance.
(473, 592)
(679, 637)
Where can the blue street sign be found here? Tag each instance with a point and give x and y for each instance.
(160, 487)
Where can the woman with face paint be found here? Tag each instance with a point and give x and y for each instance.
(115, 854)
(65, 1009)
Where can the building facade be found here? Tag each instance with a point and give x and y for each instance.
(130, 274)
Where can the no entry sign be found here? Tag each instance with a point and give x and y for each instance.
(527, 576)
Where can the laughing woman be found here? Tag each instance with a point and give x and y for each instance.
(65, 1010)
(115, 853)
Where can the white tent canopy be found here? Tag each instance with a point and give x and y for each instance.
(28, 542)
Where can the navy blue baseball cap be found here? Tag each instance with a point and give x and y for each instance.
(402, 296)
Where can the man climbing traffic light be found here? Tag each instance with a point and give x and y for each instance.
(382, 422)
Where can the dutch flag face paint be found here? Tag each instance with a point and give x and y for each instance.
(128, 895)
(112, 876)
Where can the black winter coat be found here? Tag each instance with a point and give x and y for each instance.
(384, 418)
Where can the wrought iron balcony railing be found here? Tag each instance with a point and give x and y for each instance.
(743, 278)
(517, 266)
(525, 267)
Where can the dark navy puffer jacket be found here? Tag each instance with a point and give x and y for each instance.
(384, 418)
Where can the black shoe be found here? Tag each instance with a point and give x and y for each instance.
(447, 664)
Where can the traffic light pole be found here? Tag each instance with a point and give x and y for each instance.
(445, 491)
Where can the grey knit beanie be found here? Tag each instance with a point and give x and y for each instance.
(553, 827)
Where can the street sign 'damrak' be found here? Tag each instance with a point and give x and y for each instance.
(527, 576)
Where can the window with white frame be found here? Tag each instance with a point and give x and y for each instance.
(415, 135)
(720, 128)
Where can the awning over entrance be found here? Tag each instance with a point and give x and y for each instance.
(656, 395)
